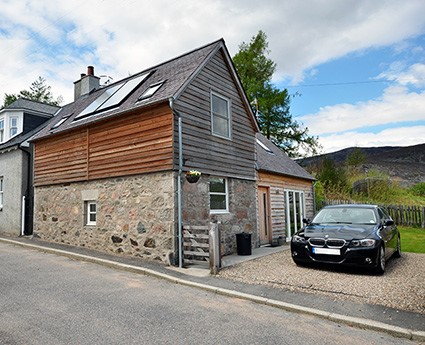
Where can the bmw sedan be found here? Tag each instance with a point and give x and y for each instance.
(361, 235)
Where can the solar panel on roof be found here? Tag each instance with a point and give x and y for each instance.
(123, 92)
(113, 96)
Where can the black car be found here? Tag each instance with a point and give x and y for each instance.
(362, 235)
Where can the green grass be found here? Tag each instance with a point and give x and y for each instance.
(412, 239)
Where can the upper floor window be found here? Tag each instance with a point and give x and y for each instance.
(1, 130)
(13, 126)
(220, 116)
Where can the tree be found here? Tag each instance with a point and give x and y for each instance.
(356, 158)
(38, 91)
(255, 70)
(333, 178)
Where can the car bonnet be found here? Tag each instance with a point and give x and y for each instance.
(344, 231)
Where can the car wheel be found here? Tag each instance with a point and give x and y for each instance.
(397, 252)
(380, 268)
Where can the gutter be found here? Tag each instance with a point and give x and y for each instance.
(179, 185)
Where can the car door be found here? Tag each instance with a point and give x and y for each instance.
(388, 232)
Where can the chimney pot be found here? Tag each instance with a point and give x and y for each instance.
(90, 70)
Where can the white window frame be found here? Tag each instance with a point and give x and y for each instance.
(11, 127)
(1, 192)
(2, 122)
(301, 211)
(151, 90)
(226, 195)
(90, 213)
(228, 117)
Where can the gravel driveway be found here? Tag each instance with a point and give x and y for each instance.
(402, 286)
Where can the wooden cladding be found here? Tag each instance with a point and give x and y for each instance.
(211, 154)
(126, 145)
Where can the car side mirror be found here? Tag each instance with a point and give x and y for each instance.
(306, 221)
(388, 222)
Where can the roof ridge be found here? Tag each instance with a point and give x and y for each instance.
(160, 64)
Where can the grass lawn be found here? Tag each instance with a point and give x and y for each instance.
(412, 239)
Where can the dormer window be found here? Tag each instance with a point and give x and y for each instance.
(13, 126)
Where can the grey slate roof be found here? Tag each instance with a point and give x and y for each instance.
(33, 106)
(19, 139)
(177, 74)
(278, 162)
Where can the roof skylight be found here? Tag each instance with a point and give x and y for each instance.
(62, 120)
(151, 90)
(264, 146)
(113, 96)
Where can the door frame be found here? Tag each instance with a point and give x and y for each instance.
(301, 211)
(264, 217)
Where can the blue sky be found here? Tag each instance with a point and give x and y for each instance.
(356, 66)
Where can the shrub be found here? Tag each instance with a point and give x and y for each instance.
(418, 189)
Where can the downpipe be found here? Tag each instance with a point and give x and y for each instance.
(179, 184)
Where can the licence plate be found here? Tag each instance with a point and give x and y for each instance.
(328, 251)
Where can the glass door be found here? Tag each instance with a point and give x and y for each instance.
(294, 211)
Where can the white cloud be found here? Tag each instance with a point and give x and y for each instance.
(413, 75)
(119, 37)
(396, 105)
(402, 136)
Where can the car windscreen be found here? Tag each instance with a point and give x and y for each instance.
(345, 215)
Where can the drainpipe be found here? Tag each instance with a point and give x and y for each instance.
(28, 192)
(179, 184)
(23, 217)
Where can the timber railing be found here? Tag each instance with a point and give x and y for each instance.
(403, 215)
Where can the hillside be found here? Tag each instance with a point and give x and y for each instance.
(405, 165)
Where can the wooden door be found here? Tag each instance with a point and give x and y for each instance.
(264, 215)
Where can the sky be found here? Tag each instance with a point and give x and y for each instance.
(355, 68)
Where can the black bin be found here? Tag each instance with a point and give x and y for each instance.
(243, 243)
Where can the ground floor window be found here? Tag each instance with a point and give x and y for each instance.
(218, 195)
(295, 210)
(91, 214)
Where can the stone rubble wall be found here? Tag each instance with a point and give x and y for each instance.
(242, 215)
(135, 215)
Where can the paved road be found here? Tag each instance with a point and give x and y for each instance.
(48, 299)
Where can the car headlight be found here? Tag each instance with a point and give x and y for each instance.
(298, 239)
(363, 243)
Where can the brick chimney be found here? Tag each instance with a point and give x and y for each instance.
(87, 83)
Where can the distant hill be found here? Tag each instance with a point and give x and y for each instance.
(405, 165)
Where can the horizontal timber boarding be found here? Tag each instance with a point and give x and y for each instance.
(204, 151)
(125, 145)
(404, 215)
(61, 159)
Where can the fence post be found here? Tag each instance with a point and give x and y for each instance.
(423, 217)
(215, 263)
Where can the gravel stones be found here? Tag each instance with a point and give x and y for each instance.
(401, 287)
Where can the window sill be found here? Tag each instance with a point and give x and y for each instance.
(219, 212)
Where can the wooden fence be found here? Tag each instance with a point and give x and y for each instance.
(402, 215)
